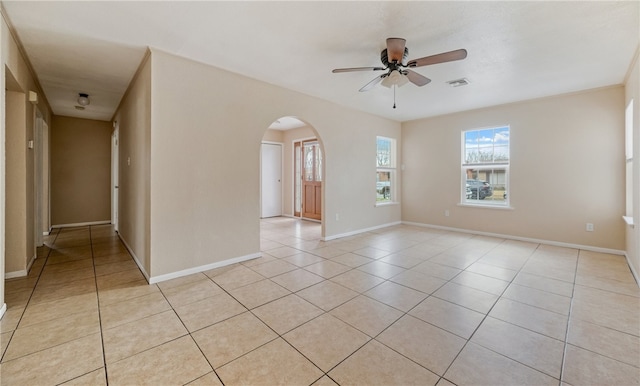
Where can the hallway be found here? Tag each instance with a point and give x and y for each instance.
(400, 305)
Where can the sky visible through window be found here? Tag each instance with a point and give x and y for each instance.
(487, 145)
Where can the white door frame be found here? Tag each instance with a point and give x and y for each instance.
(114, 174)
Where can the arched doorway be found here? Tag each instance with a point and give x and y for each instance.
(302, 169)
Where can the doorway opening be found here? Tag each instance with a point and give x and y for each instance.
(295, 180)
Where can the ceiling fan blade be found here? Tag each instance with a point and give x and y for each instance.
(439, 58)
(416, 78)
(337, 70)
(374, 82)
(395, 49)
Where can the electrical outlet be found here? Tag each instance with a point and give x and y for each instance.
(337, 217)
(589, 227)
(446, 213)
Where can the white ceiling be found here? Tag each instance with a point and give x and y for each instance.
(516, 50)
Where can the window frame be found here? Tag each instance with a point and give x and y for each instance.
(493, 165)
(391, 168)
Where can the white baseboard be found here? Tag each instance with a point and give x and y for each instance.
(81, 224)
(352, 233)
(633, 270)
(202, 268)
(14, 274)
(3, 309)
(518, 238)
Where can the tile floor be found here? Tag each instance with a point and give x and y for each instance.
(398, 306)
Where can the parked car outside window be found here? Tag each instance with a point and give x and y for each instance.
(480, 189)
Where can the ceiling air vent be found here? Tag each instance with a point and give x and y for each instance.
(458, 82)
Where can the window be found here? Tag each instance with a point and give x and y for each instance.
(385, 169)
(629, 157)
(485, 166)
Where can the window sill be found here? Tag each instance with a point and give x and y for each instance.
(486, 206)
(386, 203)
(628, 220)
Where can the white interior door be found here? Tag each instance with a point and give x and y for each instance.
(271, 180)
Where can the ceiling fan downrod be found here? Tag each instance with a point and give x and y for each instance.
(394, 96)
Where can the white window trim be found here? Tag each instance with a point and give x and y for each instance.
(392, 169)
(464, 166)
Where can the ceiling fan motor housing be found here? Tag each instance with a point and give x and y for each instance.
(384, 57)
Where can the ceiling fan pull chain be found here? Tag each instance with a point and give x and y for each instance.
(394, 96)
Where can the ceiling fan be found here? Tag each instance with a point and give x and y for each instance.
(394, 59)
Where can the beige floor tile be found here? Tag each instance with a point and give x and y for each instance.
(191, 292)
(115, 267)
(621, 287)
(5, 337)
(381, 269)
(326, 341)
(132, 338)
(18, 299)
(94, 378)
(371, 252)
(208, 311)
(542, 299)
(112, 259)
(265, 258)
(396, 295)
(64, 290)
(477, 365)
(223, 342)
(126, 291)
(68, 266)
(607, 309)
(555, 286)
(11, 318)
(492, 271)
(448, 316)
(283, 252)
(19, 284)
(120, 313)
(550, 270)
(258, 293)
(302, 259)
(437, 270)
(209, 379)
(57, 278)
(57, 256)
(108, 249)
(327, 252)
(367, 315)
(324, 381)
(375, 364)
(418, 281)
(423, 343)
(327, 295)
(41, 336)
(527, 347)
(117, 279)
(159, 365)
(327, 268)
(55, 365)
(533, 318)
(461, 261)
(276, 363)
(237, 277)
(584, 367)
(402, 260)
(351, 260)
(287, 313)
(481, 282)
(357, 280)
(296, 280)
(42, 312)
(444, 382)
(614, 344)
(273, 268)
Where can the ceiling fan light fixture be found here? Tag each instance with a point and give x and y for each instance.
(395, 78)
(83, 99)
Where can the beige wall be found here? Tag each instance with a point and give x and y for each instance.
(273, 135)
(20, 207)
(632, 91)
(133, 119)
(205, 162)
(567, 169)
(80, 171)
